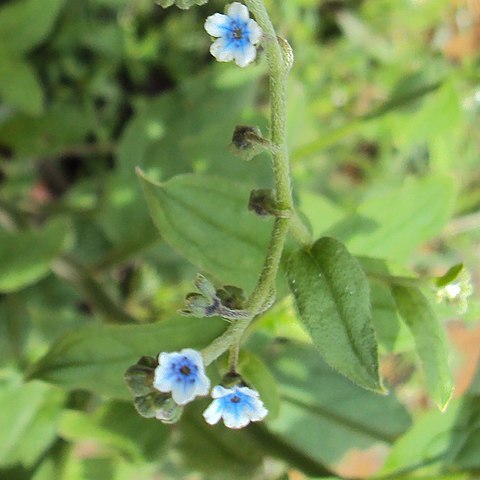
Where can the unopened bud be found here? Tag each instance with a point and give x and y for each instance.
(183, 4)
(248, 142)
(158, 405)
(139, 377)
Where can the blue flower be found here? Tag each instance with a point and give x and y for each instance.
(183, 374)
(238, 406)
(236, 33)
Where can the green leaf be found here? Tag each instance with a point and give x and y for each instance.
(26, 256)
(19, 85)
(392, 334)
(206, 220)
(429, 339)
(425, 443)
(216, 451)
(333, 299)
(75, 426)
(408, 217)
(450, 276)
(25, 23)
(323, 415)
(28, 421)
(96, 357)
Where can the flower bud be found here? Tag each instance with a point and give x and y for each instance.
(158, 405)
(183, 4)
(248, 142)
(139, 377)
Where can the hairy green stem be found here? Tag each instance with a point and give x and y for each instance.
(278, 72)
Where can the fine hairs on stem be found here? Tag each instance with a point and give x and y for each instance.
(278, 72)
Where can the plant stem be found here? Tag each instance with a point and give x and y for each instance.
(278, 73)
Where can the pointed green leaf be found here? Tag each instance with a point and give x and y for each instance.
(96, 357)
(206, 220)
(430, 341)
(333, 299)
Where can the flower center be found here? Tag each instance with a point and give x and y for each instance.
(235, 399)
(238, 33)
(185, 370)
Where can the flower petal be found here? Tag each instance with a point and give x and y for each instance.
(215, 24)
(183, 392)
(213, 413)
(238, 11)
(221, 51)
(245, 55)
(202, 385)
(255, 32)
(219, 391)
(234, 418)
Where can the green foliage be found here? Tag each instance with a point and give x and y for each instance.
(383, 115)
(322, 413)
(430, 342)
(96, 357)
(26, 256)
(30, 413)
(206, 220)
(332, 296)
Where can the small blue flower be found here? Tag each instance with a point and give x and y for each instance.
(236, 33)
(238, 406)
(183, 374)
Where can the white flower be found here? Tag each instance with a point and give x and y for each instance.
(236, 33)
(183, 374)
(238, 406)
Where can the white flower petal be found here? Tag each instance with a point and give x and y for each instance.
(162, 384)
(219, 391)
(214, 24)
(248, 391)
(232, 420)
(193, 355)
(165, 358)
(220, 51)
(213, 413)
(202, 386)
(259, 412)
(255, 32)
(183, 393)
(238, 11)
(246, 55)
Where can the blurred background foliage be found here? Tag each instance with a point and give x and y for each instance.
(383, 133)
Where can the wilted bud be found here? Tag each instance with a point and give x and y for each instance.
(232, 297)
(139, 377)
(158, 405)
(183, 4)
(263, 203)
(248, 142)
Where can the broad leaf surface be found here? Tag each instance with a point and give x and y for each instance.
(333, 299)
(96, 357)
